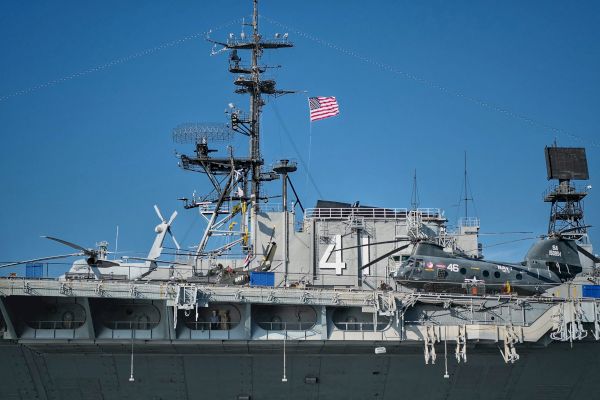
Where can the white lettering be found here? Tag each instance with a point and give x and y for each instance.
(453, 267)
(366, 254)
(338, 265)
(504, 269)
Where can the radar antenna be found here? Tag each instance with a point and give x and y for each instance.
(195, 133)
(566, 164)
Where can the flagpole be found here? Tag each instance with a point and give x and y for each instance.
(319, 108)
(309, 150)
(309, 142)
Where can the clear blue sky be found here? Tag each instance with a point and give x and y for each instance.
(91, 152)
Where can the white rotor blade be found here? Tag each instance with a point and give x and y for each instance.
(41, 259)
(157, 261)
(172, 218)
(173, 237)
(73, 245)
(158, 213)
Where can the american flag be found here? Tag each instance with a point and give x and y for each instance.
(323, 107)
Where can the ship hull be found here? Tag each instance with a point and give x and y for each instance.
(319, 370)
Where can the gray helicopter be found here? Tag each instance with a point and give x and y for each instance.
(551, 261)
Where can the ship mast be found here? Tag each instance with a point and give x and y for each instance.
(236, 172)
(253, 84)
(255, 109)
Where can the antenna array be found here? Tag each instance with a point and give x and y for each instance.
(195, 133)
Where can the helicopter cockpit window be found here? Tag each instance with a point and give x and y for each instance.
(419, 263)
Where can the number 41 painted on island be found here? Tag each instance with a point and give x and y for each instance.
(338, 264)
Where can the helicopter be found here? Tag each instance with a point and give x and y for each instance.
(551, 261)
(95, 265)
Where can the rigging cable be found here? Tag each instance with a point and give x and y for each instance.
(116, 61)
(312, 181)
(296, 194)
(426, 82)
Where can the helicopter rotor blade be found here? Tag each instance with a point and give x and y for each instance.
(588, 254)
(106, 264)
(172, 218)
(386, 255)
(87, 252)
(173, 238)
(41, 259)
(502, 233)
(373, 244)
(560, 233)
(573, 229)
(157, 261)
(158, 213)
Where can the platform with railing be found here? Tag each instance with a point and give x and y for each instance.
(370, 213)
(471, 222)
(564, 191)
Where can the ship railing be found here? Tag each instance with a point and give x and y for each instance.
(131, 325)
(430, 213)
(469, 222)
(571, 188)
(60, 324)
(301, 330)
(211, 326)
(208, 208)
(476, 321)
(272, 207)
(361, 326)
(286, 326)
(369, 213)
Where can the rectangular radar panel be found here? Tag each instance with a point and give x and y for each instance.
(566, 163)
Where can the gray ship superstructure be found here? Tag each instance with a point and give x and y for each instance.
(341, 300)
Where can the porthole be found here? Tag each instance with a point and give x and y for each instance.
(496, 274)
(519, 276)
(463, 271)
(486, 273)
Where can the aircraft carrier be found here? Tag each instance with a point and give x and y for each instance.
(285, 302)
